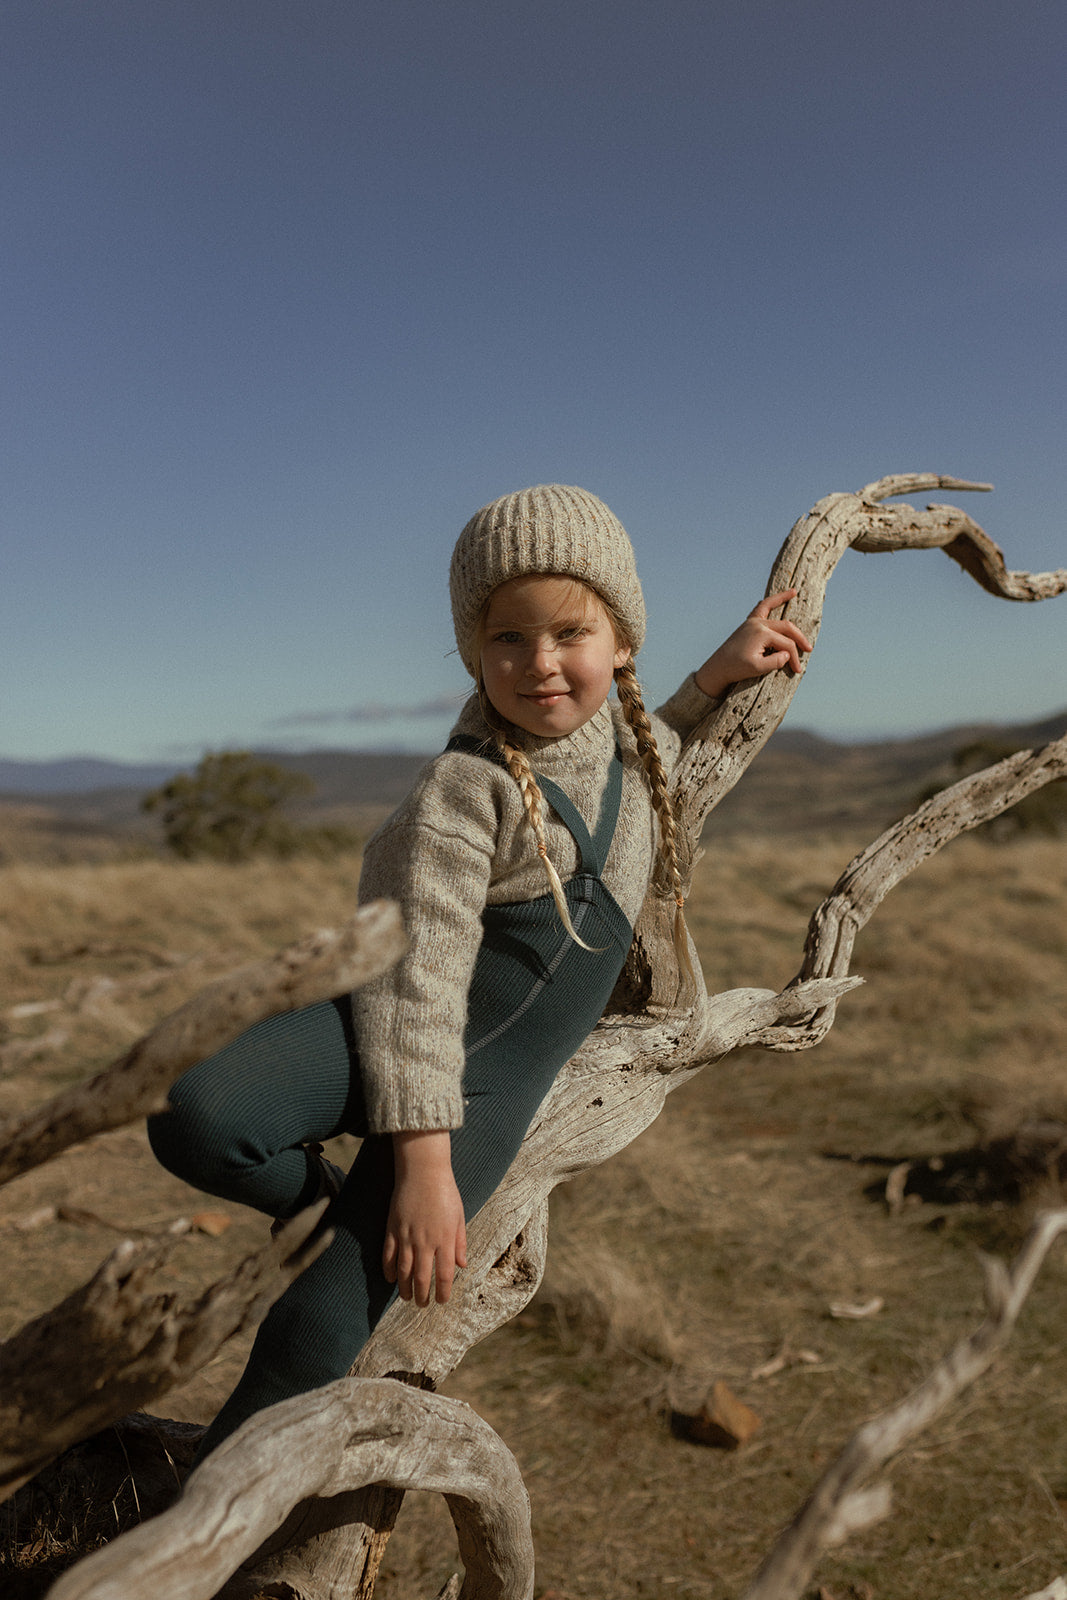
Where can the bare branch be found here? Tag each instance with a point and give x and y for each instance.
(720, 750)
(946, 528)
(324, 964)
(788, 1568)
(917, 483)
(870, 876)
(124, 1339)
(324, 1444)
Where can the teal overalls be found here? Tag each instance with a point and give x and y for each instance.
(238, 1121)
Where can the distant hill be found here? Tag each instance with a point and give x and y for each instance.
(78, 775)
(802, 782)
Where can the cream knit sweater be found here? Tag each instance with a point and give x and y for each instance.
(461, 841)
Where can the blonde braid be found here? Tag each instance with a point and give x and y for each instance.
(532, 800)
(633, 709)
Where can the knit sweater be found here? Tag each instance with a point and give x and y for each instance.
(461, 841)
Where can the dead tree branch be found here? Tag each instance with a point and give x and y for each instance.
(332, 1441)
(324, 964)
(868, 878)
(123, 1339)
(839, 1504)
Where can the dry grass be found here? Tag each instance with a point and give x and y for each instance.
(721, 1237)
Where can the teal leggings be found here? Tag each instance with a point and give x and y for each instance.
(236, 1128)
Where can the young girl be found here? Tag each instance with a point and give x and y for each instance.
(520, 861)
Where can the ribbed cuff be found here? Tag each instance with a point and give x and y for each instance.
(414, 1113)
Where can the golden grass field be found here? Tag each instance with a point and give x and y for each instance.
(721, 1237)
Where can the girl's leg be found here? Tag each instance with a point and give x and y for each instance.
(315, 1331)
(238, 1121)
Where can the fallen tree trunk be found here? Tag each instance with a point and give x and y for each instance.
(615, 1086)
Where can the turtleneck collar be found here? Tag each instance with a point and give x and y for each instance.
(591, 745)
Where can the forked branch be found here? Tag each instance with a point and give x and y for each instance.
(723, 747)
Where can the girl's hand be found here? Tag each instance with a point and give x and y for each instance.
(425, 1236)
(760, 645)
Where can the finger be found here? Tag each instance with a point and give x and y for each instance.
(421, 1278)
(461, 1245)
(782, 636)
(793, 632)
(444, 1273)
(773, 662)
(421, 1285)
(389, 1250)
(404, 1266)
(783, 651)
(771, 602)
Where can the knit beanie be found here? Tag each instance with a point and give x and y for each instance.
(553, 529)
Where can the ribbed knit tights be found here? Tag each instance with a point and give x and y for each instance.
(236, 1126)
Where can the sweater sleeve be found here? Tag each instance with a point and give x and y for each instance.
(433, 857)
(676, 718)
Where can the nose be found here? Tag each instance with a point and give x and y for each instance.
(542, 658)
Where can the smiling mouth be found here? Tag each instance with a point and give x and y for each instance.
(548, 697)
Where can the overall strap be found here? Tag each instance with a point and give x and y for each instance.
(593, 851)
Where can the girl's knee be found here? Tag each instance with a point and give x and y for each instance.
(194, 1139)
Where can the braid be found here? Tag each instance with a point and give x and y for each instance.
(633, 709)
(532, 799)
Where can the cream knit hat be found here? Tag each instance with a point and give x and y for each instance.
(553, 529)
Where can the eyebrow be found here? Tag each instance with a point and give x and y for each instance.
(577, 620)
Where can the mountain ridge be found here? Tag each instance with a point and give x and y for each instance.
(377, 771)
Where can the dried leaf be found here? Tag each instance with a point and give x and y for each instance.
(210, 1222)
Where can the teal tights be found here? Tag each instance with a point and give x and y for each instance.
(236, 1127)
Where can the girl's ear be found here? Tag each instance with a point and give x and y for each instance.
(622, 656)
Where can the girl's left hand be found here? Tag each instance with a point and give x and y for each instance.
(762, 644)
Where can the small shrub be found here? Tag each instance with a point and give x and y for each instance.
(230, 808)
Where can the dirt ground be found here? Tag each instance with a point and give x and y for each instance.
(720, 1240)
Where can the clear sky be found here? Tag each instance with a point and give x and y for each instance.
(290, 289)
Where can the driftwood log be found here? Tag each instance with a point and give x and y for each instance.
(331, 1545)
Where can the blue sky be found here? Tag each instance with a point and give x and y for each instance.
(289, 290)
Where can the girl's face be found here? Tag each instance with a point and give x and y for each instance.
(549, 654)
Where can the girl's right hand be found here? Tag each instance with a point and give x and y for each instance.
(425, 1236)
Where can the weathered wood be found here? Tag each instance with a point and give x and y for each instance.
(322, 1444)
(839, 1504)
(124, 1338)
(326, 963)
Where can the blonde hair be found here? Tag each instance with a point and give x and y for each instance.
(637, 719)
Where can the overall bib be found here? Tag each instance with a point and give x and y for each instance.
(238, 1121)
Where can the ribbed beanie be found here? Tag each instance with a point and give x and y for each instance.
(553, 529)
